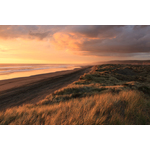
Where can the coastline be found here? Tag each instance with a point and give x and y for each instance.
(23, 90)
(18, 71)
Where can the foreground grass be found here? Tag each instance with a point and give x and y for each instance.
(109, 94)
(127, 107)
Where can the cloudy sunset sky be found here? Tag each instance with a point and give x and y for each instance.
(70, 44)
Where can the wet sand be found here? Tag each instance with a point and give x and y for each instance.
(15, 92)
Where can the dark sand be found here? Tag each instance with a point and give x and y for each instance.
(15, 92)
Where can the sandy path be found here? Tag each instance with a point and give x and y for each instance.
(15, 92)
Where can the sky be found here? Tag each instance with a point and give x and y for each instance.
(73, 44)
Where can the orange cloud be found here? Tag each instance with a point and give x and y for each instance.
(63, 41)
(70, 41)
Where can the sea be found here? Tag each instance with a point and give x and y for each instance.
(10, 71)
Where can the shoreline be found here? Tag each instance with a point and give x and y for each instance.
(27, 71)
(20, 81)
(23, 90)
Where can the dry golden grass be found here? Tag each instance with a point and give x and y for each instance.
(109, 94)
(127, 107)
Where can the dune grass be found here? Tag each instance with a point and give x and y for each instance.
(107, 95)
(127, 107)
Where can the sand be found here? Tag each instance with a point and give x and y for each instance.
(24, 90)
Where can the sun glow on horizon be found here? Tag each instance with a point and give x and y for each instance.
(39, 52)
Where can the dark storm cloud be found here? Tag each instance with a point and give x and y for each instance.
(92, 39)
(7, 32)
(95, 30)
(25, 31)
(39, 35)
(127, 39)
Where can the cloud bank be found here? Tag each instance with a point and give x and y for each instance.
(87, 39)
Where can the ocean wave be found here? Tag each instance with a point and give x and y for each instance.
(15, 69)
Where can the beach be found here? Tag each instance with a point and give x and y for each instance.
(10, 71)
(24, 90)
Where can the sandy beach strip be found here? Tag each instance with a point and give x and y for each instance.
(18, 91)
